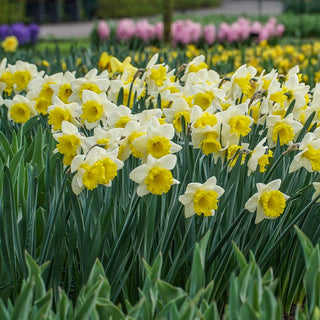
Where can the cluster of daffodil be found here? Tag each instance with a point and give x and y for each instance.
(227, 59)
(239, 119)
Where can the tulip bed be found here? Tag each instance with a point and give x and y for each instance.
(194, 178)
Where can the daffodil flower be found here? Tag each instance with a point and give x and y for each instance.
(155, 176)
(201, 198)
(269, 202)
(309, 155)
(98, 166)
(20, 109)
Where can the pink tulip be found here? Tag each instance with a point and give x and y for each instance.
(209, 33)
(125, 29)
(103, 30)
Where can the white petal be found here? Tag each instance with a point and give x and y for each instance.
(138, 174)
(252, 204)
(188, 211)
(76, 162)
(168, 161)
(142, 190)
(76, 188)
(274, 185)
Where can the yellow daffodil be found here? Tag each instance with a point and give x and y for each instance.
(201, 198)
(269, 202)
(10, 44)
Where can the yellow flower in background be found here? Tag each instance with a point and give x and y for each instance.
(104, 61)
(10, 44)
(45, 63)
(269, 202)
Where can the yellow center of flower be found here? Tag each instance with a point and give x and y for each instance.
(189, 100)
(266, 84)
(279, 112)
(136, 153)
(42, 105)
(210, 144)
(122, 148)
(200, 66)
(158, 75)
(68, 159)
(57, 115)
(284, 131)
(177, 120)
(289, 94)
(313, 155)
(206, 119)
(125, 101)
(20, 112)
(121, 123)
(7, 78)
(264, 161)
(273, 203)
(65, 92)
(203, 99)
(158, 146)
(92, 111)
(110, 170)
(21, 79)
(91, 87)
(173, 89)
(233, 156)
(159, 180)
(92, 175)
(225, 105)
(68, 144)
(254, 112)
(246, 86)
(204, 201)
(278, 97)
(103, 142)
(240, 125)
(165, 104)
(46, 91)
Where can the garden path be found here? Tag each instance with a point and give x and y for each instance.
(228, 7)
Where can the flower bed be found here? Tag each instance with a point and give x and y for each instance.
(186, 31)
(158, 172)
(24, 33)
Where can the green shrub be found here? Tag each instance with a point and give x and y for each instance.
(297, 6)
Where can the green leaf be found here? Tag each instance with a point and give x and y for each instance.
(168, 293)
(240, 257)
(83, 309)
(96, 274)
(37, 158)
(197, 276)
(290, 108)
(63, 305)
(23, 303)
(306, 244)
(4, 314)
(44, 306)
(107, 309)
(6, 145)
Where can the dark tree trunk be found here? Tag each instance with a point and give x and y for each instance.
(167, 19)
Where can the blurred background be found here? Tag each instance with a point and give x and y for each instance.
(55, 11)
(52, 11)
